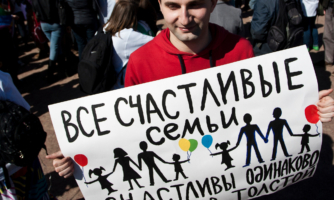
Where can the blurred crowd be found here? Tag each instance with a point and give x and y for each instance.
(59, 26)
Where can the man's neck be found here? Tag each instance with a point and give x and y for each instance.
(193, 46)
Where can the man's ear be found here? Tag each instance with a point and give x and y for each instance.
(214, 3)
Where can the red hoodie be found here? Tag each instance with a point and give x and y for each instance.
(159, 59)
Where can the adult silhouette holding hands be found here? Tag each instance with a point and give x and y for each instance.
(129, 174)
(249, 130)
(277, 126)
(148, 158)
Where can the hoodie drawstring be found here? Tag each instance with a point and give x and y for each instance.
(182, 64)
(183, 67)
(210, 57)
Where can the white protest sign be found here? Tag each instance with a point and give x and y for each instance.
(236, 131)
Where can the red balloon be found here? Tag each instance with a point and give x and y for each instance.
(81, 159)
(311, 114)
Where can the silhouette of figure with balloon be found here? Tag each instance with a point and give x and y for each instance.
(188, 145)
(249, 130)
(226, 158)
(128, 173)
(312, 116)
(207, 142)
(277, 126)
(102, 179)
(148, 158)
(177, 166)
(305, 138)
(82, 160)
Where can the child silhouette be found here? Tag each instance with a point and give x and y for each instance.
(305, 138)
(177, 166)
(105, 184)
(226, 158)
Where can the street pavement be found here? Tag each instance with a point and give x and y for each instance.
(39, 93)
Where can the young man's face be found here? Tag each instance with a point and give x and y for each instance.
(187, 19)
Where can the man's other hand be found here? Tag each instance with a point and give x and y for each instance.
(325, 106)
(64, 166)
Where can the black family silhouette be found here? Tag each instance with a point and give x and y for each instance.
(226, 158)
(249, 130)
(102, 179)
(277, 126)
(148, 158)
(129, 174)
(305, 138)
(177, 166)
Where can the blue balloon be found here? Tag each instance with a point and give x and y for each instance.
(207, 140)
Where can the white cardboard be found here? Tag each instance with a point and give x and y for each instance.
(203, 170)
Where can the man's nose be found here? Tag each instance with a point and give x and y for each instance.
(184, 16)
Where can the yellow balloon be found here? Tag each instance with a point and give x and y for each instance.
(184, 144)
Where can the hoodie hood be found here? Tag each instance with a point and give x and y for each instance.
(162, 40)
(159, 59)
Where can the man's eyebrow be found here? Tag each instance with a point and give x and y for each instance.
(173, 2)
(169, 2)
(196, 1)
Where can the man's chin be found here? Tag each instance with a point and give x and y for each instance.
(186, 37)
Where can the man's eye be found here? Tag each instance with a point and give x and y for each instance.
(172, 6)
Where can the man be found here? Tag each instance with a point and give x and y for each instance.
(249, 130)
(189, 44)
(277, 126)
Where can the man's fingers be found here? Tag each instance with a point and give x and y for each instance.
(64, 166)
(60, 162)
(325, 102)
(326, 115)
(324, 93)
(67, 172)
(323, 120)
(58, 155)
(323, 110)
(325, 106)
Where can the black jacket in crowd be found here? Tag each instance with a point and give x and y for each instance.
(84, 11)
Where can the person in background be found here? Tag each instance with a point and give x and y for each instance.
(54, 31)
(228, 17)
(32, 22)
(7, 48)
(328, 37)
(264, 16)
(105, 8)
(16, 9)
(231, 2)
(147, 17)
(123, 27)
(252, 4)
(246, 5)
(36, 186)
(85, 21)
(309, 8)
